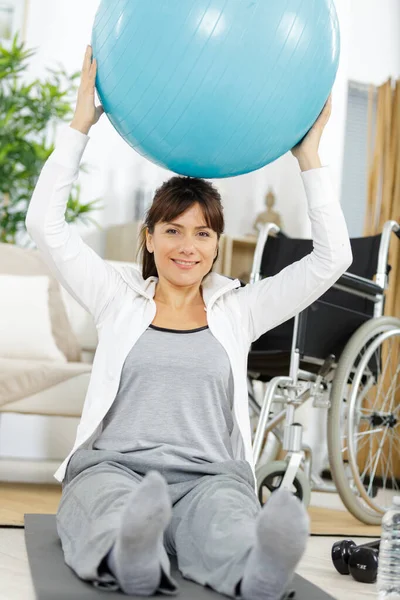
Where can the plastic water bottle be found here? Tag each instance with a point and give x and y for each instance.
(389, 554)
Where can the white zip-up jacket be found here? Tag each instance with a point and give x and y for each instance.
(122, 303)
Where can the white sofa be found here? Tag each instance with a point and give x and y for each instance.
(49, 388)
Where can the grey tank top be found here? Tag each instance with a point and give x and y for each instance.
(174, 402)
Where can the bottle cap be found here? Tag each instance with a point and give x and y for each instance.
(396, 500)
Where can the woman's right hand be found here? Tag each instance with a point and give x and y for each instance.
(86, 113)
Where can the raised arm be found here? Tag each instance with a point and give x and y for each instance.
(271, 301)
(84, 274)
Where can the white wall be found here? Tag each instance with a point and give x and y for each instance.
(375, 41)
(60, 30)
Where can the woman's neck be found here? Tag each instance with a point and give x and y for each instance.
(178, 298)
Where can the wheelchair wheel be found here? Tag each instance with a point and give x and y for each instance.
(270, 476)
(364, 420)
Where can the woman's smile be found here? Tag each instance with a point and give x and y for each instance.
(184, 264)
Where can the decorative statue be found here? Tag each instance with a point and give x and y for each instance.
(269, 215)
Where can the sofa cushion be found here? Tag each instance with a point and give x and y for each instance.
(26, 331)
(15, 260)
(22, 379)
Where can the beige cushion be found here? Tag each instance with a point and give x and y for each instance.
(37, 381)
(15, 260)
(26, 332)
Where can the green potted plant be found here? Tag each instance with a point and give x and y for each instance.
(29, 114)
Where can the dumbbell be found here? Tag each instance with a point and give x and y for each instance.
(360, 561)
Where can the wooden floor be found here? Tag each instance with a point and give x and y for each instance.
(16, 499)
(327, 521)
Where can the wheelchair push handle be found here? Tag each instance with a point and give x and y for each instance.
(395, 226)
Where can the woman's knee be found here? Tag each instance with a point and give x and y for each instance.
(93, 495)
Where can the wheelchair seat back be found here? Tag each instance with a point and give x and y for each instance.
(328, 323)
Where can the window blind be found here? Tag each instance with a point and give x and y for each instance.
(355, 158)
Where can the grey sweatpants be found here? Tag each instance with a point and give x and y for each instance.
(211, 532)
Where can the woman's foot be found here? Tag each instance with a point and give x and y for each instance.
(134, 558)
(282, 532)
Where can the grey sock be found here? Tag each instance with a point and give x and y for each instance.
(282, 529)
(134, 558)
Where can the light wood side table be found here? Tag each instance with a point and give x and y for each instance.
(238, 256)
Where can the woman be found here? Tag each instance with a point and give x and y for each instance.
(162, 461)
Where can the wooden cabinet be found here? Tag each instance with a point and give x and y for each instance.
(238, 256)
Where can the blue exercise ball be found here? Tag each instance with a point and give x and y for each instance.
(214, 88)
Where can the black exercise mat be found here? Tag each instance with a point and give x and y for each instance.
(54, 580)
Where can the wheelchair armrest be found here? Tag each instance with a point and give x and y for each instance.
(359, 284)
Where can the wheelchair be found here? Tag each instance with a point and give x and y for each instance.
(342, 355)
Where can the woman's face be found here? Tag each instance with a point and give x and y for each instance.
(184, 250)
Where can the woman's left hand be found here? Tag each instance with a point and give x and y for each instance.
(309, 145)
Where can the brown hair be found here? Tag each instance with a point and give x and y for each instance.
(173, 198)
